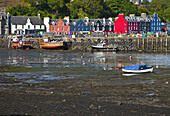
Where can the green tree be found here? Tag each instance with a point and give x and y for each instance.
(160, 7)
(145, 2)
(167, 14)
(90, 8)
(122, 6)
(19, 10)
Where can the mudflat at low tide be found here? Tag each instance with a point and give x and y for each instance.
(68, 83)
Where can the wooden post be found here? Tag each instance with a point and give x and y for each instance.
(156, 43)
(138, 43)
(152, 44)
(147, 44)
(161, 44)
(143, 44)
(166, 43)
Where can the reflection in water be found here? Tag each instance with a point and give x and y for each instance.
(54, 65)
(125, 74)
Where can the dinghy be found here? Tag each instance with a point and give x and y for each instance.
(139, 68)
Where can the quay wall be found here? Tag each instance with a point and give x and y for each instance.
(123, 43)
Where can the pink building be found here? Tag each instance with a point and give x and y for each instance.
(59, 27)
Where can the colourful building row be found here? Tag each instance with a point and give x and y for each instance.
(136, 24)
(123, 24)
(68, 26)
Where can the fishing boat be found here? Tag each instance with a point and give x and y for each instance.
(103, 47)
(27, 44)
(51, 44)
(21, 43)
(139, 68)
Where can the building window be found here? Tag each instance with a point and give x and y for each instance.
(28, 26)
(125, 23)
(62, 24)
(97, 28)
(23, 26)
(125, 28)
(34, 26)
(67, 28)
(62, 28)
(58, 24)
(15, 26)
(110, 28)
(57, 28)
(53, 28)
(40, 26)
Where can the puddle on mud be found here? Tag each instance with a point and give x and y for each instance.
(87, 92)
(37, 67)
(147, 81)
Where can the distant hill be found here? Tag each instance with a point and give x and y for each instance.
(9, 3)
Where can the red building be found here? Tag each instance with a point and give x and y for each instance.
(121, 25)
(133, 23)
(59, 27)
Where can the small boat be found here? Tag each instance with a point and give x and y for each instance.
(51, 44)
(27, 44)
(19, 43)
(15, 44)
(103, 47)
(139, 68)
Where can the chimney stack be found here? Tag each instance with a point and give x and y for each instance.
(39, 16)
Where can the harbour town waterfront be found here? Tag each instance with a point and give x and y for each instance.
(62, 57)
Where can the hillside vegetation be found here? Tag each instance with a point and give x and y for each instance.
(9, 3)
(88, 8)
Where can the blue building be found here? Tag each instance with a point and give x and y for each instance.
(79, 26)
(155, 23)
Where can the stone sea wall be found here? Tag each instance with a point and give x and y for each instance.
(124, 44)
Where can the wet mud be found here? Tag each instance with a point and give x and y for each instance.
(53, 83)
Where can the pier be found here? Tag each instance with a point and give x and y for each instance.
(123, 43)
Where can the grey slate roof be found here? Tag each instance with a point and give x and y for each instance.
(75, 21)
(19, 20)
(54, 21)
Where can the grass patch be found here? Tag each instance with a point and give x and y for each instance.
(15, 69)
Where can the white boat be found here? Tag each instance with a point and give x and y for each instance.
(103, 47)
(139, 68)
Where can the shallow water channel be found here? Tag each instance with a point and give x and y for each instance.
(93, 73)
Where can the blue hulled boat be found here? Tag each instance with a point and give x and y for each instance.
(139, 68)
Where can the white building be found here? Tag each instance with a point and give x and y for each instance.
(4, 24)
(27, 25)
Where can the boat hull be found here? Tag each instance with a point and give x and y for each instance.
(51, 45)
(22, 45)
(138, 71)
(104, 49)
